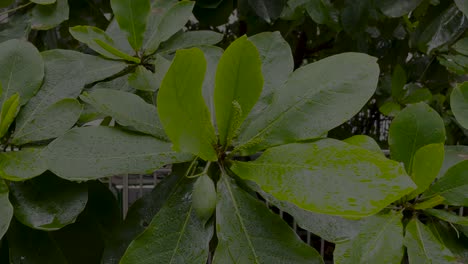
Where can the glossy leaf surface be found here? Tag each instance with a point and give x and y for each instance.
(181, 106)
(238, 82)
(132, 16)
(95, 152)
(248, 232)
(22, 165)
(6, 209)
(329, 177)
(459, 104)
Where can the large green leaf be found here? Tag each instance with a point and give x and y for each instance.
(181, 107)
(328, 176)
(414, 127)
(450, 237)
(238, 86)
(6, 209)
(45, 17)
(190, 39)
(448, 217)
(423, 246)
(380, 241)
(459, 104)
(250, 233)
(66, 73)
(127, 109)
(175, 235)
(132, 16)
(453, 186)
(48, 202)
(463, 6)
(427, 162)
(398, 8)
(22, 70)
(22, 165)
(119, 37)
(268, 10)
(65, 113)
(315, 99)
(8, 112)
(164, 22)
(89, 34)
(95, 152)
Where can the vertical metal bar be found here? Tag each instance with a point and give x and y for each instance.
(460, 212)
(309, 238)
(322, 247)
(125, 195)
(295, 226)
(140, 193)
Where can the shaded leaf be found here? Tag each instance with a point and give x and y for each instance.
(44, 2)
(453, 155)
(127, 109)
(457, 244)
(161, 66)
(6, 209)
(366, 142)
(354, 16)
(328, 176)
(143, 79)
(175, 235)
(398, 8)
(459, 104)
(453, 186)
(315, 99)
(89, 34)
(250, 233)
(190, 39)
(9, 110)
(132, 16)
(268, 10)
(45, 17)
(204, 197)
(95, 152)
(17, 27)
(119, 37)
(398, 82)
(65, 113)
(463, 6)
(212, 56)
(181, 106)
(461, 46)
(429, 203)
(238, 81)
(414, 127)
(22, 165)
(390, 108)
(48, 202)
(448, 217)
(379, 241)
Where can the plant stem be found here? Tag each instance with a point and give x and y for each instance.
(15, 9)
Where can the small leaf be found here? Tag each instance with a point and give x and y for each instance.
(459, 104)
(112, 50)
(204, 197)
(366, 142)
(398, 82)
(89, 34)
(6, 209)
(9, 110)
(448, 217)
(380, 241)
(461, 46)
(190, 39)
(268, 10)
(143, 79)
(89, 153)
(212, 56)
(65, 113)
(47, 202)
(390, 108)
(250, 233)
(45, 17)
(430, 203)
(22, 165)
(127, 109)
(414, 127)
(165, 22)
(398, 8)
(307, 175)
(416, 96)
(132, 16)
(238, 78)
(175, 234)
(453, 186)
(423, 246)
(181, 107)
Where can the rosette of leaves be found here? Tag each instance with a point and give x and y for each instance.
(216, 109)
(427, 221)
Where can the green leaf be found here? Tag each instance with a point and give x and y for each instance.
(416, 96)
(453, 186)
(322, 12)
(427, 162)
(119, 37)
(45, 17)
(175, 235)
(366, 142)
(212, 56)
(448, 217)
(117, 52)
(89, 153)
(277, 65)
(17, 27)
(414, 127)
(65, 113)
(355, 16)
(450, 237)
(22, 165)
(127, 109)
(6, 209)
(132, 16)
(190, 39)
(22, 70)
(44, 2)
(423, 246)
(429, 203)
(453, 155)
(307, 175)
(161, 66)
(459, 104)
(398, 82)
(398, 8)
(67, 72)
(181, 107)
(238, 80)
(9, 110)
(89, 34)
(390, 108)
(315, 99)
(380, 241)
(463, 6)
(143, 80)
(268, 10)
(250, 233)
(47, 202)
(165, 22)
(204, 197)
(461, 46)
